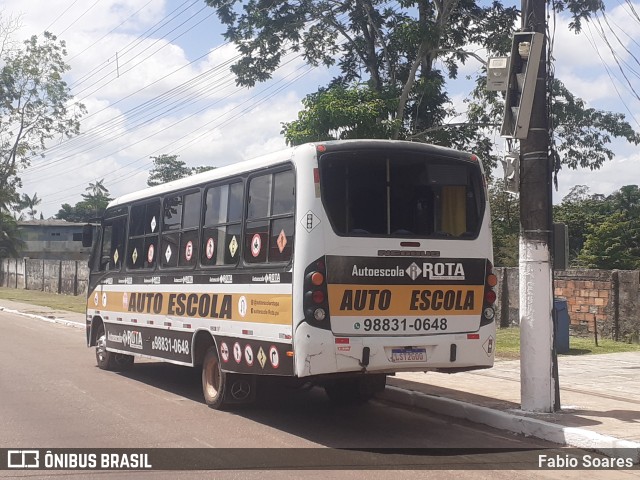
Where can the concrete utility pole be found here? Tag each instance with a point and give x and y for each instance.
(538, 363)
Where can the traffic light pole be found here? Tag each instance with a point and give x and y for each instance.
(538, 363)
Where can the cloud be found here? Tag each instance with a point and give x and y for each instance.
(170, 91)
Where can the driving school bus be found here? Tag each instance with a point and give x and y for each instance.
(333, 263)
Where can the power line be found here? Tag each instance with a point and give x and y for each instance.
(82, 15)
(110, 31)
(61, 14)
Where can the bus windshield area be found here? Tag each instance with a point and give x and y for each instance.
(370, 193)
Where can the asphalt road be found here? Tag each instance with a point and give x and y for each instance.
(52, 395)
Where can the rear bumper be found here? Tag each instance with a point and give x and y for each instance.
(320, 352)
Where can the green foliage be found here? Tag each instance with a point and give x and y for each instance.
(393, 50)
(613, 244)
(505, 225)
(394, 64)
(583, 135)
(29, 203)
(580, 211)
(167, 168)
(604, 232)
(93, 204)
(340, 113)
(581, 10)
(10, 240)
(35, 104)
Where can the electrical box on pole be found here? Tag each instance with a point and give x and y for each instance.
(498, 74)
(511, 168)
(560, 246)
(524, 62)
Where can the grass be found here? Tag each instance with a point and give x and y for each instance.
(508, 345)
(508, 339)
(35, 297)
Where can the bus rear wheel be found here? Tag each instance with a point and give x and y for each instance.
(117, 362)
(214, 380)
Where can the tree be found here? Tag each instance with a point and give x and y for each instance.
(580, 211)
(8, 27)
(613, 244)
(505, 225)
(79, 213)
(167, 168)
(29, 203)
(10, 240)
(93, 205)
(97, 199)
(340, 113)
(394, 64)
(35, 102)
(35, 106)
(393, 50)
(604, 231)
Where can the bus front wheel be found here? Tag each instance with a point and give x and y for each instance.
(214, 380)
(106, 360)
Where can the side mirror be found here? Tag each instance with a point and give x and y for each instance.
(87, 235)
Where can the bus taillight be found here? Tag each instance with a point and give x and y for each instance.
(315, 299)
(490, 297)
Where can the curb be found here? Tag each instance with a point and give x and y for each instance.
(61, 321)
(530, 427)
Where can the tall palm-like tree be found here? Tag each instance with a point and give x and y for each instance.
(30, 203)
(97, 196)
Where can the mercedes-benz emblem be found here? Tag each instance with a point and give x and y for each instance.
(240, 390)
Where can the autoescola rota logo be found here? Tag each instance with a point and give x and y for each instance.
(413, 271)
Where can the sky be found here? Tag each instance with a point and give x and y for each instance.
(154, 77)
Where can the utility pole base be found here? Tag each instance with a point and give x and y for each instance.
(537, 385)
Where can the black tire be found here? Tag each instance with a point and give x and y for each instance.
(116, 362)
(352, 391)
(214, 380)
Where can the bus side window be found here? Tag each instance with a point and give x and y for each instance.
(143, 235)
(222, 223)
(113, 237)
(180, 230)
(269, 231)
(281, 231)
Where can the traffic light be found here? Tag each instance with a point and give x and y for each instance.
(511, 168)
(524, 61)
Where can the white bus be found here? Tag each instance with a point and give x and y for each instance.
(335, 263)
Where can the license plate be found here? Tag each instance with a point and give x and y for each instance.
(409, 355)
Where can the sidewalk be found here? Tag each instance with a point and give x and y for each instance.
(599, 395)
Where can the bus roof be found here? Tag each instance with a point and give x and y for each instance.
(274, 158)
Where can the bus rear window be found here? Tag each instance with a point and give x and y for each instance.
(401, 194)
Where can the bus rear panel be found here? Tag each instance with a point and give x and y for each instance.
(405, 257)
